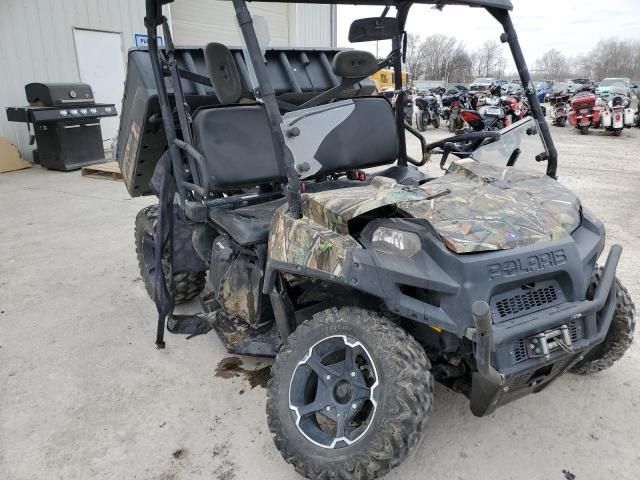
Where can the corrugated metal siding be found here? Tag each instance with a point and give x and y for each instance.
(197, 22)
(315, 25)
(36, 38)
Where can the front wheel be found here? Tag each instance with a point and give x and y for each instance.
(584, 129)
(349, 395)
(451, 124)
(617, 132)
(619, 336)
(436, 121)
(420, 121)
(561, 121)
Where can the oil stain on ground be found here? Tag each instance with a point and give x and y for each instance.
(232, 367)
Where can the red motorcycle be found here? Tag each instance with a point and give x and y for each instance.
(514, 109)
(584, 113)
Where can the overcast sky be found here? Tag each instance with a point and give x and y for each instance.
(572, 26)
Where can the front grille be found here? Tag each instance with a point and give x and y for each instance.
(519, 351)
(573, 331)
(532, 299)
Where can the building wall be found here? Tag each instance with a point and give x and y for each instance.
(36, 38)
(198, 22)
(37, 44)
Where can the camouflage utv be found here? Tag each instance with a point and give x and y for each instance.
(366, 284)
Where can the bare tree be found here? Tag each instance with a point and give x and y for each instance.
(613, 57)
(582, 66)
(487, 58)
(445, 58)
(552, 65)
(415, 60)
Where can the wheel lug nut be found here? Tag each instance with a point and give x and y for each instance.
(354, 406)
(353, 374)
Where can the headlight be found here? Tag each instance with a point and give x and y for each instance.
(396, 242)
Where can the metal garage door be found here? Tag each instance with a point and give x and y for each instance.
(197, 22)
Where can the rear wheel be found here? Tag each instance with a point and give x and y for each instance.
(188, 285)
(617, 132)
(436, 121)
(584, 129)
(349, 395)
(561, 122)
(619, 336)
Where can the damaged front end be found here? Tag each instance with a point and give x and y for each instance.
(496, 288)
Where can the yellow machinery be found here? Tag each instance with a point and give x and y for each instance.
(384, 78)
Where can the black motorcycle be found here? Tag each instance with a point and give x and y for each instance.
(428, 110)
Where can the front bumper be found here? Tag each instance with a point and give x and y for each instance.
(436, 288)
(587, 321)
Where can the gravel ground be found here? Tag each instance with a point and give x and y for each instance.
(85, 395)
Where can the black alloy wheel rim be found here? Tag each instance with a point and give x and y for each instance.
(334, 391)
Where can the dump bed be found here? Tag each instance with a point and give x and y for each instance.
(297, 75)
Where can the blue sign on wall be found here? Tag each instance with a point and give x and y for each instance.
(143, 40)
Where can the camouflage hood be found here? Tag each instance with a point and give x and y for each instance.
(473, 208)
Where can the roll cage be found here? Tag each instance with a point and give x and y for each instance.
(164, 65)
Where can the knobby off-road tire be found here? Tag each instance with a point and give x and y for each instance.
(403, 395)
(188, 285)
(420, 125)
(619, 336)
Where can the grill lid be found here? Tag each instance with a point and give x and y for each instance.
(56, 94)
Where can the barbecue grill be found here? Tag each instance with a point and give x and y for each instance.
(66, 124)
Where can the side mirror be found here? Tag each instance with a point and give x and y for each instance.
(372, 29)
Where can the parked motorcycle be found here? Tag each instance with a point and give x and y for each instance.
(616, 114)
(455, 104)
(584, 112)
(515, 108)
(559, 108)
(391, 96)
(487, 117)
(428, 111)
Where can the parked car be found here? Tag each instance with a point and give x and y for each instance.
(458, 86)
(543, 90)
(609, 85)
(423, 86)
(480, 84)
(511, 88)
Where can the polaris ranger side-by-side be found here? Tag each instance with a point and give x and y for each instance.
(366, 284)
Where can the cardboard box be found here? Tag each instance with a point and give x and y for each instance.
(10, 159)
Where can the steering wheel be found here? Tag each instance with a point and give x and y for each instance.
(461, 145)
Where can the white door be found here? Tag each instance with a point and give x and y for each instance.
(101, 65)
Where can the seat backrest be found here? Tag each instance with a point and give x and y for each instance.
(236, 143)
(342, 136)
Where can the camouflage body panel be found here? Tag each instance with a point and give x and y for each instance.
(473, 208)
(306, 243)
(334, 208)
(479, 207)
